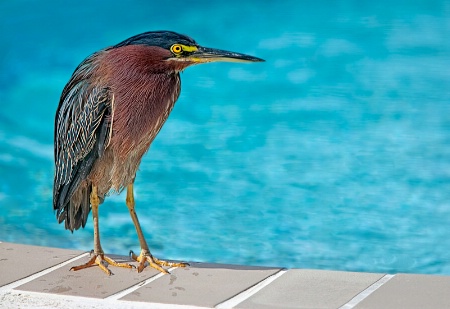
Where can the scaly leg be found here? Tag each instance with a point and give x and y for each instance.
(99, 258)
(145, 255)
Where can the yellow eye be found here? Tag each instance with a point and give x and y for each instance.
(176, 49)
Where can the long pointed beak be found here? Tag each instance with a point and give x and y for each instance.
(205, 54)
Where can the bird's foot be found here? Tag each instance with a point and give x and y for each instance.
(101, 261)
(145, 256)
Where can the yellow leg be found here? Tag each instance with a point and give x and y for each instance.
(99, 258)
(145, 255)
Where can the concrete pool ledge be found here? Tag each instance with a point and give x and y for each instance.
(39, 277)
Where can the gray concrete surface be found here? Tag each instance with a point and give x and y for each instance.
(39, 277)
(313, 289)
(412, 292)
(203, 285)
(90, 282)
(18, 261)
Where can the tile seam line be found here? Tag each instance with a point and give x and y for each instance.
(247, 293)
(131, 289)
(41, 273)
(367, 292)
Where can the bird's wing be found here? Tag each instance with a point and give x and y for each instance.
(82, 132)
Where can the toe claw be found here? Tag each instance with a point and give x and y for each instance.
(141, 266)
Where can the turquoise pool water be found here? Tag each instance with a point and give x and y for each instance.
(333, 154)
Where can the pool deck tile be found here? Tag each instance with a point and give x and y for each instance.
(204, 285)
(90, 282)
(410, 291)
(305, 288)
(19, 261)
(39, 277)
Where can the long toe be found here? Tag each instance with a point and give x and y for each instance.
(153, 262)
(102, 261)
(170, 264)
(90, 263)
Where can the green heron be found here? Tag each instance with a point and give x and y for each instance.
(109, 113)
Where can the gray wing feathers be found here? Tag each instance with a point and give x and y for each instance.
(79, 122)
(82, 129)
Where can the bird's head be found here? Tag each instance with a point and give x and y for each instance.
(182, 50)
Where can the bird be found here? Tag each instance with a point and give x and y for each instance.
(109, 113)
